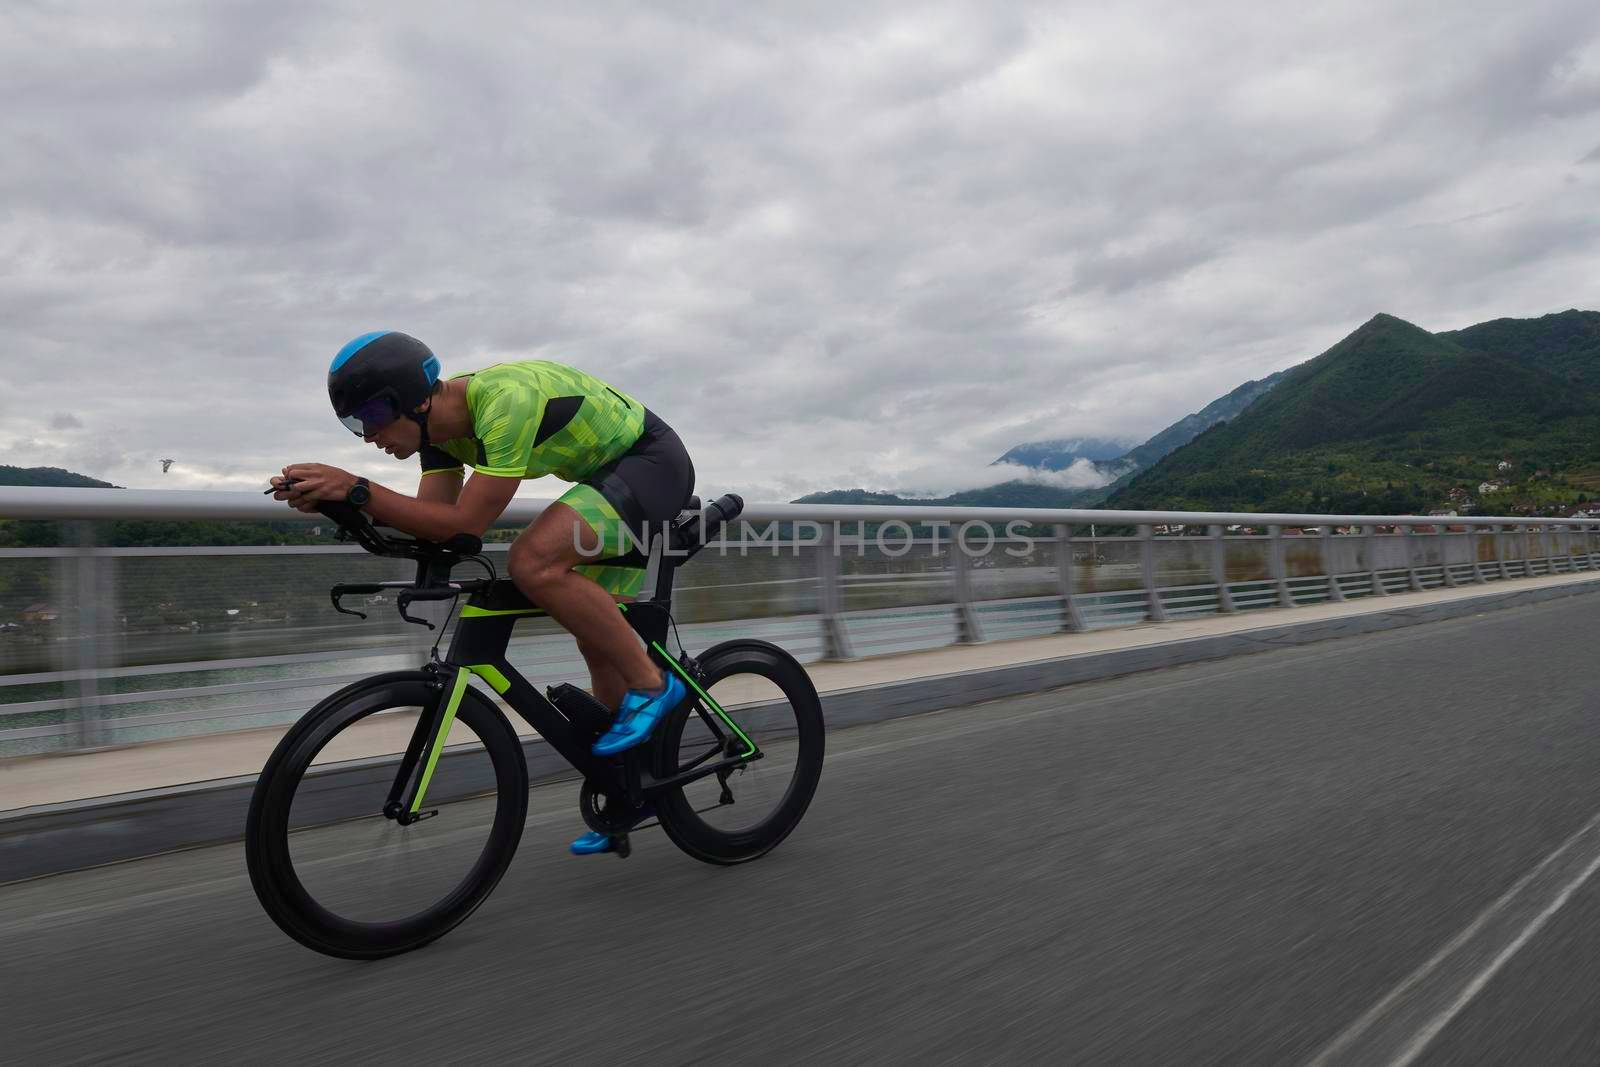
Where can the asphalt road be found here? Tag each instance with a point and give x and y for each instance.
(1369, 850)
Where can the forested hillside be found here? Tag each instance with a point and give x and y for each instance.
(1501, 417)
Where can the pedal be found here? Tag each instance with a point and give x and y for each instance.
(621, 846)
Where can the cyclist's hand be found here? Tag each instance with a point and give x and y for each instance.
(313, 482)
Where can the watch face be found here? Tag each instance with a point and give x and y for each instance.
(359, 494)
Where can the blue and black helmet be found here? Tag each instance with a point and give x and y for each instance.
(378, 377)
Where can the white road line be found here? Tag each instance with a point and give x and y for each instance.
(1413, 983)
(1440, 1021)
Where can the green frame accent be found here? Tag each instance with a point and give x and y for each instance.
(491, 674)
(468, 611)
(751, 748)
(445, 722)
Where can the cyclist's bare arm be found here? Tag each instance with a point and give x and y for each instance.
(440, 486)
(441, 510)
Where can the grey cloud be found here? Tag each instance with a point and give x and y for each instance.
(872, 238)
(1119, 271)
(65, 420)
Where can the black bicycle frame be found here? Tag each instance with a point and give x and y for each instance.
(479, 647)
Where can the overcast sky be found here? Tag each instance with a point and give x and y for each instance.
(833, 244)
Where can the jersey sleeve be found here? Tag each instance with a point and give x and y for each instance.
(504, 424)
(437, 461)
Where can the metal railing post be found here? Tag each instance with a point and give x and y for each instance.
(87, 612)
(967, 632)
(1219, 570)
(1473, 535)
(1527, 550)
(1414, 579)
(1444, 558)
(1502, 545)
(1572, 559)
(1335, 591)
(1155, 611)
(1071, 617)
(1370, 536)
(1278, 569)
(835, 640)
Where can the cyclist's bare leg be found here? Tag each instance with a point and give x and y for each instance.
(541, 563)
(604, 681)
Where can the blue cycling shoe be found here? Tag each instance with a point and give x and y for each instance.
(637, 717)
(594, 843)
(591, 844)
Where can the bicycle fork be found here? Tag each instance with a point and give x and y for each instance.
(404, 804)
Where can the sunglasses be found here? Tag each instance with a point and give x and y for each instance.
(372, 416)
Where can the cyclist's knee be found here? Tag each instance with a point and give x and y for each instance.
(533, 571)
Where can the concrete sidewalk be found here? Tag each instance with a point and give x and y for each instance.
(48, 780)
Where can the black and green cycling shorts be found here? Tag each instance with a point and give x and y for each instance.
(628, 500)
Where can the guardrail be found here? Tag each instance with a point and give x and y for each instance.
(104, 645)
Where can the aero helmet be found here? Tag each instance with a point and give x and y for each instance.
(379, 377)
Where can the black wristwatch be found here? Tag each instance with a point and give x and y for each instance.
(359, 494)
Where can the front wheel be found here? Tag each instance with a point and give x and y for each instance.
(341, 876)
(764, 697)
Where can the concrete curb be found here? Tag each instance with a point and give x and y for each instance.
(56, 838)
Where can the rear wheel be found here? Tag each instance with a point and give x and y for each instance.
(338, 875)
(742, 813)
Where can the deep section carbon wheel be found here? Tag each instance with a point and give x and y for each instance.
(341, 876)
(758, 696)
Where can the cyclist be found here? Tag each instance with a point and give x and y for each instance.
(508, 422)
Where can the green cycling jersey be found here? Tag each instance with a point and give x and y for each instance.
(534, 417)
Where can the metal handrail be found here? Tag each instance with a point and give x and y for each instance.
(36, 502)
(1201, 585)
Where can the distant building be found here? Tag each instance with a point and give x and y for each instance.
(1503, 466)
(1489, 487)
(43, 612)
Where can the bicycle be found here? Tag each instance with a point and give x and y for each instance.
(450, 808)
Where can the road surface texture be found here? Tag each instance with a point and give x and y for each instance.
(1374, 850)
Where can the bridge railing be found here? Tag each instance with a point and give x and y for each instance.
(103, 644)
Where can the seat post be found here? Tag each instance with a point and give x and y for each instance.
(658, 572)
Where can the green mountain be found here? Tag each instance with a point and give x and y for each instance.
(1394, 418)
(1566, 345)
(1189, 427)
(49, 476)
